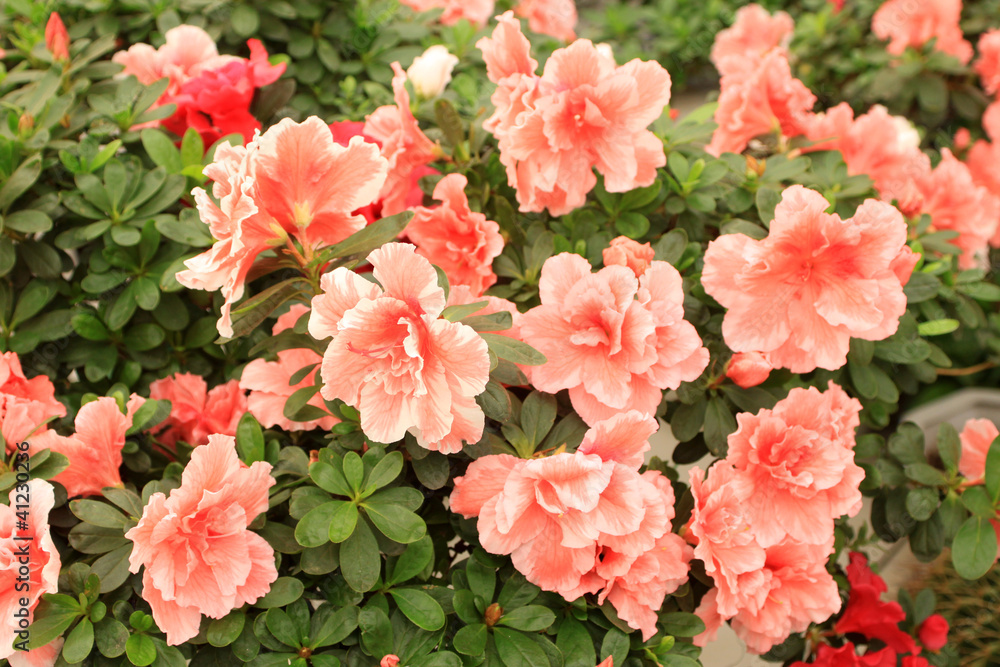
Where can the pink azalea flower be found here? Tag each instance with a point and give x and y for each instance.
(394, 359)
(796, 480)
(976, 438)
(708, 612)
(991, 120)
(225, 565)
(268, 381)
(748, 369)
(613, 340)
(390, 660)
(988, 64)
(46, 656)
(404, 145)
(195, 411)
(94, 451)
(42, 561)
(556, 18)
(623, 251)
(293, 180)
(187, 52)
(912, 24)
(876, 144)
(57, 38)
(738, 49)
(25, 405)
(454, 237)
(477, 12)
(955, 202)
(815, 282)
(764, 100)
(583, 113)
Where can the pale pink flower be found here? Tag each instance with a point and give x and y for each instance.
(982, 159)
(195, 411)
(613, 340)
(188, 52)
(976, 438)
(224, 565)
(796, 474)
(46, 656)
(36, 553)
(755, 32)
(556, 18)
(988, 64)
(430, 72)
(708, 612)
(476, 12)
(792, 591)
(884, 147)
(583, 113)
(454, 237)
(954, 202)
(25, 404)
(268, 381)
(765, 100)
(293, 180)
(748, 369)
(94, 451)
(911, 23)
(404, 145)
(394, 359)
(815, 282)
(623, 251)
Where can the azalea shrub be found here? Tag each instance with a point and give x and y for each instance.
(343, 335)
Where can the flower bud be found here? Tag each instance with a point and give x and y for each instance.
(933, 632)
(748, 369)
(431, 72)
(389, 661)
(57, 38)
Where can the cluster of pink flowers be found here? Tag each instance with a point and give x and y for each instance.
(394, 359)
(196, 412)
(292, 182)
(556, 18)
(813, 283)
(763, 517)
(584, 522)
(583, 113)
(212, 92)
(224, 564)
(26, 405)
(758, 95)
(615, 339)
(867, 615)
(913, 23)
(984, 154)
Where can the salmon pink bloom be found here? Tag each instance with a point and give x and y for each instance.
(57, 38)
(454, 237)
(988, 64)
(976, 438)
(187, 52)
(94, 451)
(476, 12)
(623, 251)
(738, 49)
(912, 24)
(195, 411)
(26, 405)
(883, 147)
(764, 100)
(38, 568)
(708, 612)
(815, 282)
(613, 340)
(748, 369)
(394, 359)
(269, 381)
(795, 474)
(555, 18)
(390, 660)
(293, 180)
(403, 144)
(954, 202)
(205, 520)
(583, 113)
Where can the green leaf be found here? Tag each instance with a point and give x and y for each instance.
(354, 470)
(19, 182)
(482, 579)
(161, 150)
(538, 414)
(576, 644)
(79, 642)
(90, 327)
(471, 639)
(681, 624)
(517, 650)
(373, 236)
(922, 502)
(719, 423)
(949, 446)
(192, 147)
(513, 350)
(100, 514)
(249, 439)
(343, 520)
(329, 478)
(112, 568)
(313, 529)
(980, 291)
(517, 591)
(974, 549)
(385, 471)
(376, 631)
(226, 630)
(360, 562)
(977, 500)
(282, 627)
(140, 650)
(110, 636)
(631, 224)
(284, 591)
(331, 625)
(396, 523)
(33, 297)
(937, 327)
(29, 221)
(992, 476)
(925, 474)
(419, 607)
(532, 618)
(413, 561)
(244, 20)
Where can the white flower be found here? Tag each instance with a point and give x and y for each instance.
(431, 72)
